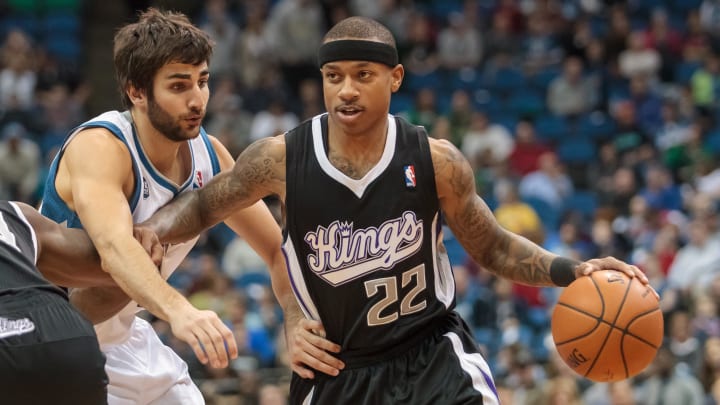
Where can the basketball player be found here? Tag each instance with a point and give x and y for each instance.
(365, 195)
(48, 352)
(117, 169)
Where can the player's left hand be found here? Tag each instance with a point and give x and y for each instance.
(611, 263)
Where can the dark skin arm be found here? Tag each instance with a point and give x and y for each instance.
(502, 252)
(67, 257)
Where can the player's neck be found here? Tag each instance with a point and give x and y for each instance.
(356, 154)
(163, 153)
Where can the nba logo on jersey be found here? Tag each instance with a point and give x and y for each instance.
(146, 188)
(410, 176)
(198, 180)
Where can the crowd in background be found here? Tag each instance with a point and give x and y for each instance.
(593, 128)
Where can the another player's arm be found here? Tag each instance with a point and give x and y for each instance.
(67, 257)
(506, 254)
(500, 251)
(257, 226)
(258, 172)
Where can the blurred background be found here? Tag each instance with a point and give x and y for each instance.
(592, 127)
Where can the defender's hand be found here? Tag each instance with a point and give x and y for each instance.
(208, 336)
(150, 242)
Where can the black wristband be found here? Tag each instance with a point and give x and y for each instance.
(562, 271)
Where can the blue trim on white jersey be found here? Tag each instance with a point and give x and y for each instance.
(159, 178)
(211, 151)
(55, 208)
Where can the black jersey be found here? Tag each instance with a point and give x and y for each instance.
(18, 252)
(365, 256)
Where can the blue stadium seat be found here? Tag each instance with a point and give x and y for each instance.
(577, 151)
(401, 102)
(64, 47)
(526, 102)
(583, 202)
(415, 82)
(596, 125)
(247, 279)
(551, 128)
(62, 23)
(684, 71)
(549, 215)
(504, 80)
(543, 78)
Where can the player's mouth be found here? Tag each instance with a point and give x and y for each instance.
(194, 120)
(349, 111)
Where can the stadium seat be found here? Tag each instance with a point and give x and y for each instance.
(583, 202)
(551, 128)
(549, 215)
(596, 125)
(576, 151)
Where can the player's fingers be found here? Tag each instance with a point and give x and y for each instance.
(157, 253)
(229, 343)
(303, 372)
(311, 354)
(209, 338)
(322, 343)
(640, 274)
(194, 343)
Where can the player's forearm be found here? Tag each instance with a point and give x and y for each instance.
(516, 258)
(179, 220)
(137, 276)
(98, 304)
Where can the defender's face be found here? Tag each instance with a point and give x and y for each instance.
(357, 93)
(179, 99)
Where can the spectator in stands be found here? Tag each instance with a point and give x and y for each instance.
(224, 32)
(486, 144)
(572, 93)
(705, 83)
(638, 58)
(666, 41)
(549, 182)
(525, 155)
(459, 44)
(19, 164)
(515, 215)
(253, 47)
(459, 115)
(540, 48)
(276, 119)
(696, 42)
(669, 385)
(294, 31)
(419, 54)
(18, 75)
(618, 32)
(659, 191)
(686, 348)
(501, 42)
(696, 263)
(424, 110)
(648, 105)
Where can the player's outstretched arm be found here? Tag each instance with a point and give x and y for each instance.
(258, 172)
(67, 257)
(504, 253)
(98, 166)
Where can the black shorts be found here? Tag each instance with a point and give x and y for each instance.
(445, 368)
(49, 353)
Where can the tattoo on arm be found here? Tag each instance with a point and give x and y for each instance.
(506, 254)
(258, 172)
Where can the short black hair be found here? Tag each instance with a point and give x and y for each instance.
(360, 28)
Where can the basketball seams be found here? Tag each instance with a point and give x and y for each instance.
(612, 326)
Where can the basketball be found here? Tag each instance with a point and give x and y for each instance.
(607, 326)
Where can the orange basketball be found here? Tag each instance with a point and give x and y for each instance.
(607, 326)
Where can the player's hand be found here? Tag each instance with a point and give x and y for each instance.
(309, 349)
(208, 336)
(611, 263)
(150, 242)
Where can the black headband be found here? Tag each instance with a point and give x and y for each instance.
(357, 49)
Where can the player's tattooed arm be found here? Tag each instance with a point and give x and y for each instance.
(504, 253)
(258, 172)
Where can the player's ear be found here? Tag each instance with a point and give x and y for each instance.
(137, 96)
(398, 72)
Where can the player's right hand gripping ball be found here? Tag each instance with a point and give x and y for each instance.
(607, 326)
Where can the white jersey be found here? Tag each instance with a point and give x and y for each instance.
(152, 191)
